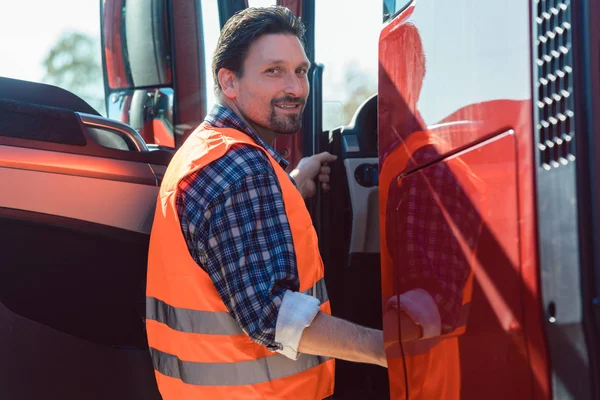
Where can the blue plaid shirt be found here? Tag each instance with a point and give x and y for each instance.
(234, 222)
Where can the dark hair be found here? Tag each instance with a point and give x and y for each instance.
(246, 26)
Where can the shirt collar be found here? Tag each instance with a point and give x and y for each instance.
(222, 117)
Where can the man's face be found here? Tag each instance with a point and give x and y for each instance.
(272, 91)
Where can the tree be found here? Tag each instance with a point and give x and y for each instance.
(359, 86)
(74, 64)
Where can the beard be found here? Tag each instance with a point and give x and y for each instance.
(284, 123)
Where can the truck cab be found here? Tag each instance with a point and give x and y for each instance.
(469, 175)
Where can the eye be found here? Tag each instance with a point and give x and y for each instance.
(301, 71)
(273, 70)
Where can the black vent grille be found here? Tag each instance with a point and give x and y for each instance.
(555, 102)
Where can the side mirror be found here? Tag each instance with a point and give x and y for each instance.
(137, 64)
(154, 66)
(136, 44)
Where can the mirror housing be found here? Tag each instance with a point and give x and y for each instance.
(136, 44)
(150, 82)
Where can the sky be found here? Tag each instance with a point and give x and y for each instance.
(25, 42)
(347, 33)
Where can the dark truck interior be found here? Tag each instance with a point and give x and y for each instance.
(348, 229)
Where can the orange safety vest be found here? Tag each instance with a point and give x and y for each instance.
(198, 349)
(432, 365)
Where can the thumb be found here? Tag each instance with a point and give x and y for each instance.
(325, 157)
(392, 303)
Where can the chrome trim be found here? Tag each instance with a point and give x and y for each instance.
(101, 122)
(455, 124)
(76, 164)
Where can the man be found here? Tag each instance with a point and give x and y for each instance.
(236, 301)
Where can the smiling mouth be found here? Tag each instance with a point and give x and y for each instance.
(288, 106)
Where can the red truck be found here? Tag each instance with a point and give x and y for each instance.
(472, 174)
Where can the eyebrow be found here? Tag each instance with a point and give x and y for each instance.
(306, 64)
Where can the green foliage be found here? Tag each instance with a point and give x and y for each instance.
(74, 63)
(359, 86)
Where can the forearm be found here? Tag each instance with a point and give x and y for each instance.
(334, 337)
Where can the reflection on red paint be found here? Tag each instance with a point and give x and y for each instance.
(162, 133)
(456, 219)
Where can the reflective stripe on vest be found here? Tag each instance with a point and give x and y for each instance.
(207, 322)
(233, 374)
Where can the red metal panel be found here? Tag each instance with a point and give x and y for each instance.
(450, 222)
(189, 64)
(294, 5)
(115, 64)
(502, 354)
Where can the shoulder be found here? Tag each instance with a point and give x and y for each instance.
(239, 163)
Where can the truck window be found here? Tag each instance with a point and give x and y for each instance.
(261, 3)
(211, 29)
(347, 47)
(210, 24)
(53, 46)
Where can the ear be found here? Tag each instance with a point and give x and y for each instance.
(227, 81)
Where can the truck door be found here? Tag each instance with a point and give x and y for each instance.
(466, 199)
(76, 208)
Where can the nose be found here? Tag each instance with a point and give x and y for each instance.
(294, 85)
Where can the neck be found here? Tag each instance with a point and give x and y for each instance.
(265, 134)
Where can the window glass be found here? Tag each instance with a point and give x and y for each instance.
(346, 44)
(261, 3)
(55, 42)
(211, 29)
